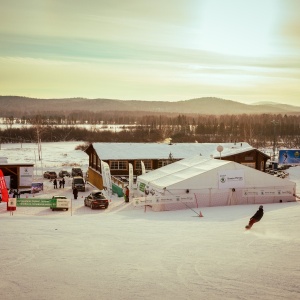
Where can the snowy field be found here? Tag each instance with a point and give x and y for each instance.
(126, 253)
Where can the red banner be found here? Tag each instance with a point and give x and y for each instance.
(3, 188)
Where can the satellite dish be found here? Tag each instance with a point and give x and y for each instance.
(220, 149)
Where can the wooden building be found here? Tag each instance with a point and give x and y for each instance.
(156, 155)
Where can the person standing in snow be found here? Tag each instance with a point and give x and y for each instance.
(75, 193)
(127, 194)
(55, 183)
(63, 182)
(256, 217)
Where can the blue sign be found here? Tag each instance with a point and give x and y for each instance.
(289, 157)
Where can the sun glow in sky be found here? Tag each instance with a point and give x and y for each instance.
(247, 51)
(242, 28)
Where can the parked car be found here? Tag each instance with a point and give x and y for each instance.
(76, 172)
(50, 175)
(96, 199)
(63, 173)
(46, 174)
(62, 203)
(79, 183)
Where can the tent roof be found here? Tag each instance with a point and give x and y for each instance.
(199, 172)
(127, 151)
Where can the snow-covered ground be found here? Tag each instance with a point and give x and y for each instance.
(126, 253)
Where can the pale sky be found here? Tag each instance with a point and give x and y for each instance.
(160, 50)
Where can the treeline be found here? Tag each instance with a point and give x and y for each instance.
(257, 130)
(48, 133)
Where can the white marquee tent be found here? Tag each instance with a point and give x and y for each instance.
(201, 181)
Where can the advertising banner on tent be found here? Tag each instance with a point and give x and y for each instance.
(267, 192)
(231, 179)
(289, 157)
(145, 188)
(141, 186)
(140, 201)
(26, 174)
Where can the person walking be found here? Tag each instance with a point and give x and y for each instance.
(75, 193)
(256, 217)
(55, 183)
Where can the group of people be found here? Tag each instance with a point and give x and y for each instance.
(14, 193)
(61, 183)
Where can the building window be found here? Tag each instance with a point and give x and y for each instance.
(94, 160)
(162, 163)
(147, 163)
(118, 165)
(248, 158)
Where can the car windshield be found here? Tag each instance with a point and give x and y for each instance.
(98, 195)
(78, 180)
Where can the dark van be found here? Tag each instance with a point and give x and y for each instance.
(79, 183)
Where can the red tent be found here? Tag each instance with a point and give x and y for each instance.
(3, 188)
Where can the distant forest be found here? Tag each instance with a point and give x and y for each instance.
(258, 130)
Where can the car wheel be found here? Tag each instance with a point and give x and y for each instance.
(106, 206)
(67, 209)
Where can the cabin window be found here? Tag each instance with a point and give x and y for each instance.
(118, 165)
(163, 163)
(94, 160)
(147, 163)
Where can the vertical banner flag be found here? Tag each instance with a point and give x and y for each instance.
(3, 188)
(130, 177)
(143, 168)
(106, 176)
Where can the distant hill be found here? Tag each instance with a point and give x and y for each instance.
(15, 105)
